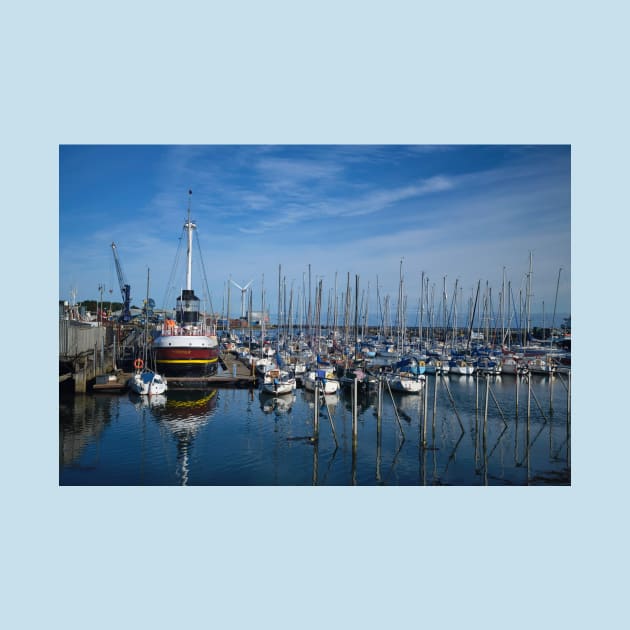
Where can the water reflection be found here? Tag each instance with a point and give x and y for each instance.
(183, 414)
(463, 380)
(408, 406)
(330, 400)
(147, 402)
(82, 420)
(365, 400)
(460, 431)
(278, 405)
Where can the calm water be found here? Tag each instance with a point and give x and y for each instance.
(240, 437)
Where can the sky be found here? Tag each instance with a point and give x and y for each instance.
(455, 213)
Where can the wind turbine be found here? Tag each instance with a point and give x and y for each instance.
(243, 292)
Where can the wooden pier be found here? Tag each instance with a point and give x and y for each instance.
(234, 374)
(115, 383)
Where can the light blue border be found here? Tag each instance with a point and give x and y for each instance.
(278, 72)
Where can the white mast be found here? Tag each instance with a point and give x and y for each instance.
(189, 225)
(528, 299)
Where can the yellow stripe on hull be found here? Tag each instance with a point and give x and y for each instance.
(187, 361)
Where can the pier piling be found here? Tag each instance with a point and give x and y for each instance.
(569, 396)
(435, 384)
(316, 413)
(485, 412)
(425, 413)
(476, 391)
(355, 412)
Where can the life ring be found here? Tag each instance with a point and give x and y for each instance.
(138, 364)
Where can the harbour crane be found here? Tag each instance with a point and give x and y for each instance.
(125, 289)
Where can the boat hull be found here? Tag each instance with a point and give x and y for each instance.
(186, 356)
(406, 385)
(325, 385)
(461, 369)
(147, 383)
(279, 389)
(278, 382)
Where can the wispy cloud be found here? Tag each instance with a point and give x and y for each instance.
(379, 200)
(290, 171)
(342, 209)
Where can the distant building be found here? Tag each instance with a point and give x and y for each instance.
(256, 318)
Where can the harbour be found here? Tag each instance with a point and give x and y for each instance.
(342, 379)
(318, 397)
(476, 413)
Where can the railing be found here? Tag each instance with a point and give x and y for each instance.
(173, 330)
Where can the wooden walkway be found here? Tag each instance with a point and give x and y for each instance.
(234, 374)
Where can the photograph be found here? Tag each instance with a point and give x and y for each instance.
(314, 314)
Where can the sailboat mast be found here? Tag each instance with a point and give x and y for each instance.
(555, 303)
(356, 313)
(528, 298)
(280, 317)
(335, 309)
(189, 225)
(502, 306)
(421, 309)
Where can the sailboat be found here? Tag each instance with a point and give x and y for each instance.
(406, 382)
(144, 381)
(325, 380)
(278, 382)
(187, 346)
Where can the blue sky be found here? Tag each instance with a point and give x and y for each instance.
(461, 212)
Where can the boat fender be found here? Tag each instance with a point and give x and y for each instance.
(138, 364)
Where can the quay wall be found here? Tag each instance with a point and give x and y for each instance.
(84, 352)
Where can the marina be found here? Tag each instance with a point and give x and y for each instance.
(314, 404)
(194, 398)
(344, 378)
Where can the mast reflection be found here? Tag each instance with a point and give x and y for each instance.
(183, 414)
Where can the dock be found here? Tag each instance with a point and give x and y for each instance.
(234, 373)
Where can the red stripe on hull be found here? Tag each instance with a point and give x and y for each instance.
(183, 354)
(186, 361)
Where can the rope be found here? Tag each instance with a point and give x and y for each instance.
(170, 286)
(203, 271)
